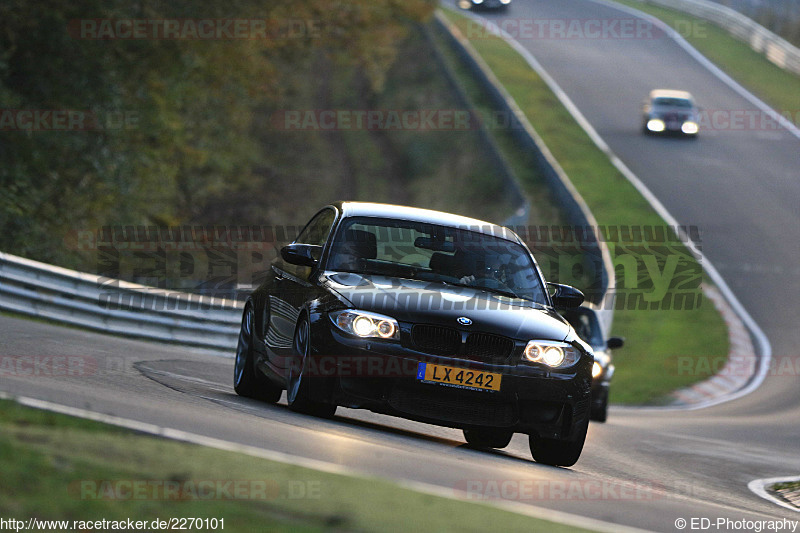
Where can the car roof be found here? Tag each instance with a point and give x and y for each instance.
(415, 214)
(669, 93)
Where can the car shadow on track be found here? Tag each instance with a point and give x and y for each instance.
(347, 423)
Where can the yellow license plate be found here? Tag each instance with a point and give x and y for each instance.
(458, 377)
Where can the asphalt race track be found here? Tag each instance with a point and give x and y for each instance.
(638, 469)
(643, 468)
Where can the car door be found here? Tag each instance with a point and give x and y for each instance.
(292, 288)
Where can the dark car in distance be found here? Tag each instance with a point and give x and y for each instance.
(424, 315)
(670, 112)
(586, 322)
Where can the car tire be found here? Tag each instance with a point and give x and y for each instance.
(558, 452)
(246, 380)
(599, 411)
(488, 438)
(298, 386)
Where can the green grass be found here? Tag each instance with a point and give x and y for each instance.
(791, 485)
(57, 467)
(777, 87)
(647, 365)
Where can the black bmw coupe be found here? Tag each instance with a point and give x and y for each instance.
(424, 315)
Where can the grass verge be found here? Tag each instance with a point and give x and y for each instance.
(777, 87)
(790, 485)
(647, 368)
(57, 467)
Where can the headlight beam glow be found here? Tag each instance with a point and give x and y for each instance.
(551, 353)
(365, 324)
(656, 125)
(689, 128)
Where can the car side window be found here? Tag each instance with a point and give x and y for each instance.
(317, 230)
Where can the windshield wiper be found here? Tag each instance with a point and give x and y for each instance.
(502, 292)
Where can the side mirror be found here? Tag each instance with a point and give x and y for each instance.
(300, 254)
(615, 342)
(565, 296)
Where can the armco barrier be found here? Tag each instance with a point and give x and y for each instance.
(112, 306)
(777, 50)
(570, 200)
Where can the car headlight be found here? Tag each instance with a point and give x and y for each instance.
(655, 124)
(552, 354)
(597, 370)
(689, 128)
(365, 324)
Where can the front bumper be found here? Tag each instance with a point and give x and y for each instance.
(671, 126)
(382, 376)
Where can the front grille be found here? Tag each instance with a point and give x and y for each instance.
(436, 340)
(441, 340)
(451, 405)
(488, 347)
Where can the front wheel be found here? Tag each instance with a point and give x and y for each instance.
(246, 380)
(298, 388)
(557, 452)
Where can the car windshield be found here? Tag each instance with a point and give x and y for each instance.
(441, 254)
(672, 102)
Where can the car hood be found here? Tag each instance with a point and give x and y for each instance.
(425, 302)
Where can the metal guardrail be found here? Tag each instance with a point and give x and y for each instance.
(575, 208)
(776, 49)
(113, 306)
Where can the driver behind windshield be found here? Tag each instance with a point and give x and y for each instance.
(485, 267)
